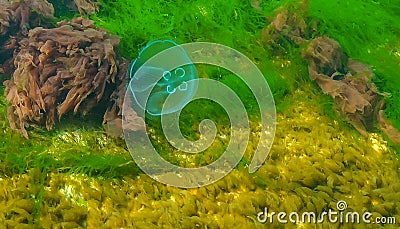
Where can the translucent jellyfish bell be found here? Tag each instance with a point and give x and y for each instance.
(153, 81)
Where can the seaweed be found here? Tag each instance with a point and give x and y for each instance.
(369, 35)
(63, 9)
(68, 9)
(315, 161)
(55, 74)
(232, 23)
(72, 147)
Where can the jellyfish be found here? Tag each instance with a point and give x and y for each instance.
(152, 81)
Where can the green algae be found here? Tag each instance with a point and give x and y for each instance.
(314, 162)
(232, 23)
(71, 170)
(367, 30)
(371, 35)
(72, 147)
(225, 22)
(62, 11)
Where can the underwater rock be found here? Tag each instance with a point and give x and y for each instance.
(327, 56)
(69, 68)
(86, 7)
(288, 24)
(5, 16)
(347, 81)
(8, 43)
(23, 9)
(16, 17)
(388, 129)
(83, 7)
(112, 119)
(6, 55)
(256, 4)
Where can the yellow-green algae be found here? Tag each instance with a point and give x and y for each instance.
(315, 161)
(76, 177)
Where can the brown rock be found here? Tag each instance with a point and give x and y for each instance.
(388, 129)
(349, 83)
(287, 23)
(16, 17)
(69, 68)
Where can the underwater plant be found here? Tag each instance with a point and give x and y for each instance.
(67, 9)
(68, 68)
(74, 176)
(369, 35)
(155, 82)
(16, 18)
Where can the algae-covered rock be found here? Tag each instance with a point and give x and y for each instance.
(16, 18)
(287, 24)
(68, 68)
(349, 83)
(86, 7)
